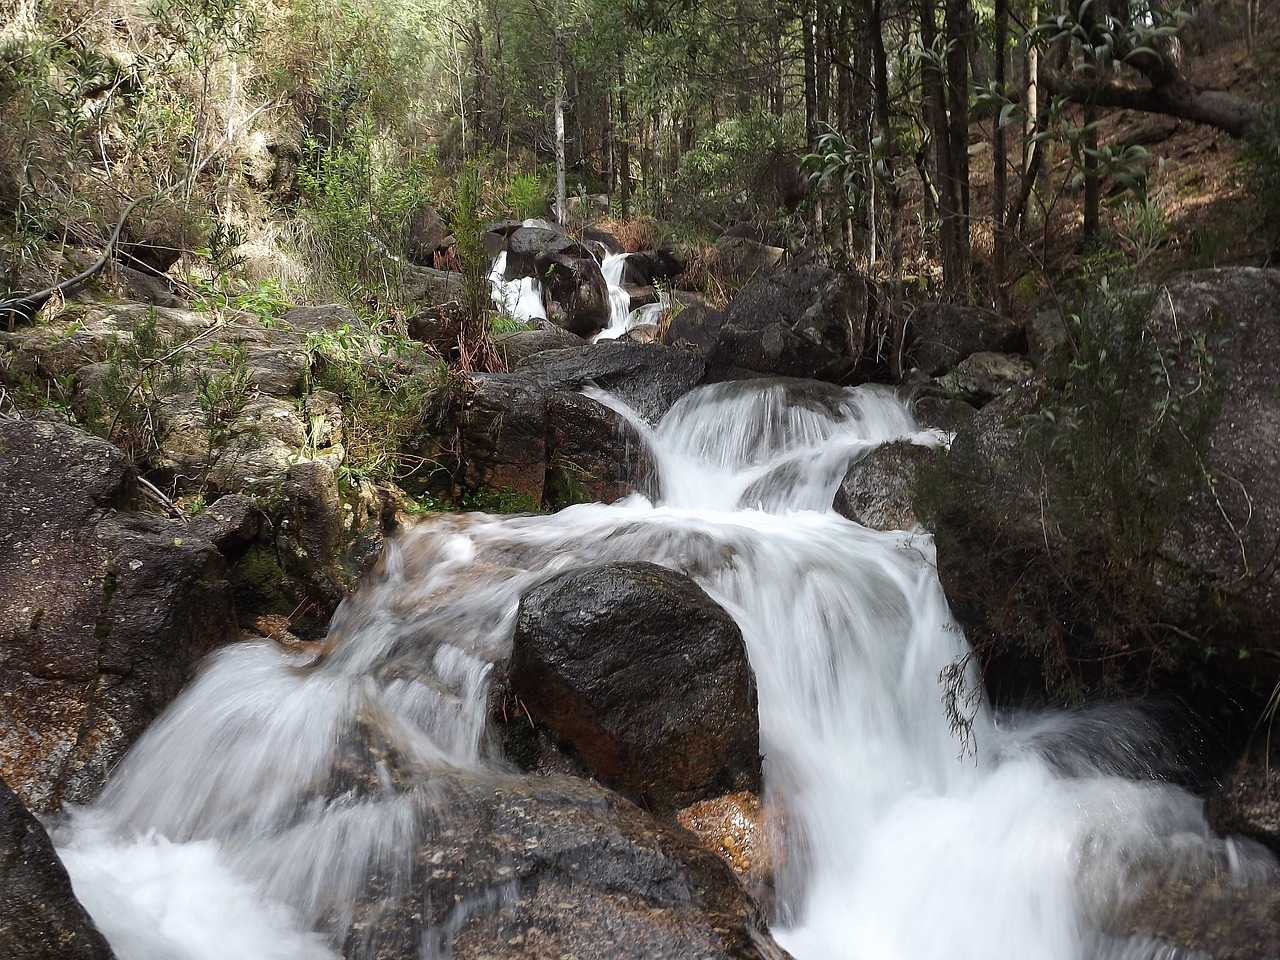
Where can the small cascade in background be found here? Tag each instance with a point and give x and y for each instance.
(521, 298)
(918, 825)
(621, 317)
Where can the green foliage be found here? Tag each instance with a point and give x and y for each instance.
(1262, 176)
(468, 229)
(124, 406)
(723, 168)
(526, 197)
(392, 394)
(1058, 527)
(505, 500)
(500, 323)
(222, 389)
(359, 204)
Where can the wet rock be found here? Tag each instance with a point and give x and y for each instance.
(530, 248)
(1214, 575)
(568, 271)
(230, 523)
(40, 918)
(1248, 803)
(515, 348)
(544, 868)
(734, 828)
(105, 614)
(510, 443)
(1227, 541)
(805, 321)
(981, 377)
(578, 288)
(878, 491)
(738, 259)
(695, 327)
(503, 436)
(605, 240)
(649, 378)
(939, 335)
(594, 455)
(1206, 916)
(645, 268)
(645, 676)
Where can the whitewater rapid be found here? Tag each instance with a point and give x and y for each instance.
(918, 825)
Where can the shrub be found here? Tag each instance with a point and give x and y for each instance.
(1050, 528)
(1262, 175)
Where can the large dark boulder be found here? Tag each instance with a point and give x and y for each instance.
(542, 868)
(579, 293)
(104, 613)
(645, 676)
(593, 454)
(696, 327)
(878, 490)
(738, 259)
(1228, 540)
(518, 430)
(516, 347)
(567, 269)
(1067, 605)
(939, 335)
(649, 378)
(805, 321)
(644, 268)
(40, 918)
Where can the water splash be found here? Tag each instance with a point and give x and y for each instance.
(905, 840)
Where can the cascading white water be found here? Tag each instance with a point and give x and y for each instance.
(908, 837)
(520, 298)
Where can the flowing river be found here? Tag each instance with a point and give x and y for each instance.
(919, 825)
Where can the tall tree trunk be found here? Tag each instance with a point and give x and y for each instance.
(610, 154)
(1000, 162)
(624, 143)
(958, 41)
(477, 76)
(1092, 182)
(562, 200)
(808, 27)
(935, 104)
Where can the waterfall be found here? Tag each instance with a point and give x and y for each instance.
(520, 298)
(918, 824)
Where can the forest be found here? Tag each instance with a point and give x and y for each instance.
(981, 148)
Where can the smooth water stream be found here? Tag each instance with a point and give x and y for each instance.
(911, 833)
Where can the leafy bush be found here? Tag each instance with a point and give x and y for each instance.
(1050, 527)
(1262, 175)
(392, 394)
(359, 204)
(727, 166)
(526, 197)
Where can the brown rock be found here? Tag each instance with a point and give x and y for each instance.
(104, 615)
